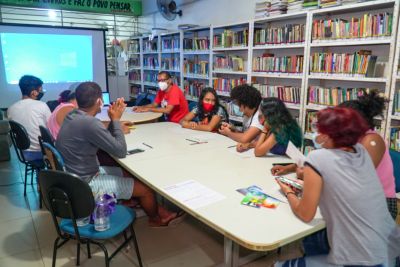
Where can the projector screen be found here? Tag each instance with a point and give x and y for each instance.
(61, 57)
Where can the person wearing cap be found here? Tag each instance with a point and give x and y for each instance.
(169, 100)
(31, 113)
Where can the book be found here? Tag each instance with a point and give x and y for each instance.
(229, 63)
(195, 66)
(230, 38)
(288, 94)
(225, 85)
(193, 88)
(285, 64)
(333, 96)
(287, 34)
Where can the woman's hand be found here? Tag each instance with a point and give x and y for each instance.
(241, 147)
(285, 188)
(225, 128)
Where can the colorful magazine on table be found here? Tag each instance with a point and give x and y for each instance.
(255, 197)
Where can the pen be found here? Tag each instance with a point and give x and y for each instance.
(147, 145)
(231, 146)
(191, 140)
(198, 143)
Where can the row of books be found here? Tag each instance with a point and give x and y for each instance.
(196, 43)
(289, 33)
(229, 38)
(150, 77)
(289, 94)
(226, 85)
(170, 44)
(396, 103)
(193, 87)
(333, 96)
(368, 25)
(195, 67)
(360, 63)
(134, 61)
(134, 75)
(284, 64)
(328, 3)
(232, 63)
(134, 46)
(150, 62)
(294, 6)
(150, 46)
(171, 63)
(395, 138)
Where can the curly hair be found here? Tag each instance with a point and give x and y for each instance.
(368, 105)
(282, 124)
(201, 113)
(352, 125)
(246, 95)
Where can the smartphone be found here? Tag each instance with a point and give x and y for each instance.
(282, 164)
(295, 186)
(134, 151)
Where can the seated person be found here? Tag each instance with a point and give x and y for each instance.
(58, 115)
(31, 113)
(209, 113)
(248, 99)
(279, 128)
(369, 106)
(170, 97)
(341, 180)
(82, 135)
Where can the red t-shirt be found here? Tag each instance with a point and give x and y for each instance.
(173, 97)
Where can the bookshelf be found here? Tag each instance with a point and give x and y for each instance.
(135, 63)
(221, 56)
(196, 60)
(230, 60)
(334, 39)
(393, 120)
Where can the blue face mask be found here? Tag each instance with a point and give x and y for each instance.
(314, 139)
(236, 110)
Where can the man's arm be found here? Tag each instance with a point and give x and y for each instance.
(166, 110)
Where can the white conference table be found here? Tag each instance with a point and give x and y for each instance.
(172, 160)
(130, 115)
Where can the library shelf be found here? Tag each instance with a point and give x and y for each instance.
(279, 46)
(351, 42)
(192, 98)
(170, 52)
(395, 117)
(220, 71)
(293, 15)
(150, 84)
(135, 82)
(195, 76)
(169, 70)
(278, 75)
(223, 93)
(235, 48)
(292, 105)
(150, 52)
(196, 52)
(134, 68)
(346, 78)
(317, 107)
(151, 69)
(134, 53)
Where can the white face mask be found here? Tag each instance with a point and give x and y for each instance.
(163, 86)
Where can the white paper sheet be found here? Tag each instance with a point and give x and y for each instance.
(193, 194)
(295, 154)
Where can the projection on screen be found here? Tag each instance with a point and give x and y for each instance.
(54, 58)
(61, 56)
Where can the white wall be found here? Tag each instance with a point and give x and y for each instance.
(200, 12)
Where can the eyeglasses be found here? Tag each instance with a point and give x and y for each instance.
(162, 80)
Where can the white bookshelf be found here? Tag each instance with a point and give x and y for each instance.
(384, 47)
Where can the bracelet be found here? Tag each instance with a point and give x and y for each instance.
(290, 192)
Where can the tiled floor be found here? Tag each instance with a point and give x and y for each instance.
(27, 235)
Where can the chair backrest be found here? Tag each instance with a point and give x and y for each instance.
(65, 195)
(396, 167)
(54, 158)
(19, 138)
(46, 135)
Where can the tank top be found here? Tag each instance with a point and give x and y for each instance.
(52, 124)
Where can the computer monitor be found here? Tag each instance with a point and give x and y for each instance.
(106, 99)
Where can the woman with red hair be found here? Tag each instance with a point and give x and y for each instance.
(341, 179)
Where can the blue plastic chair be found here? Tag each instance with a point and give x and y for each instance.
(396, 167)
(69, 198)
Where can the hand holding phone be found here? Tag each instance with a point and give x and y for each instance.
(294, 185)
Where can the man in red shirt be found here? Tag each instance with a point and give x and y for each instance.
(170, 97)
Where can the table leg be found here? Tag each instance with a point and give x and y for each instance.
(231, 253)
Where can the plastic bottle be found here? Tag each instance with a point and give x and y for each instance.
(102, 214)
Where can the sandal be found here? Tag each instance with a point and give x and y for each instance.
(172, 222)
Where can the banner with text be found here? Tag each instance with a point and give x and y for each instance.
(127, 7)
